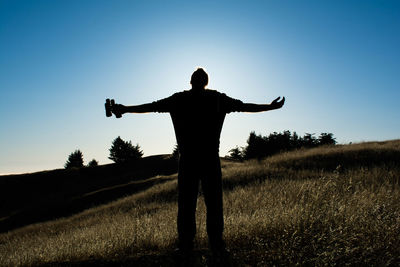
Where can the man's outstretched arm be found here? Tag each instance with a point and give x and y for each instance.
(162, 105)
(250, 107)
(144, 108)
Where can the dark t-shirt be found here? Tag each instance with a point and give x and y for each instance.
(198, 116)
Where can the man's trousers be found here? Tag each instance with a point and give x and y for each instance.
(192, 171)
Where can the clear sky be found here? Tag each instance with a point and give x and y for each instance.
(336, 62)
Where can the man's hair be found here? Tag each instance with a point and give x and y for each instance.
(199, 78)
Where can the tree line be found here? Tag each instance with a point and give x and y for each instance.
(258, 146)
(121, 151)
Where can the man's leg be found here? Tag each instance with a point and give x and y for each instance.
(212, 189)
(188, 186)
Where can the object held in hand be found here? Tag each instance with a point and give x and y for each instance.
(109, 105)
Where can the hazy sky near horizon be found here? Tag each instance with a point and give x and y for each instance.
(336, 62)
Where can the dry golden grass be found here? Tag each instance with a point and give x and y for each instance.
(326, 206)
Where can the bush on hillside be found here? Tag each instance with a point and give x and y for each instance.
(93, 163)
(123, 151)
(236, 154)
(326, 139)
(75, 160)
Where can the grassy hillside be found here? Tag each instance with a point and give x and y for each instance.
(325, 206)
(30, 198)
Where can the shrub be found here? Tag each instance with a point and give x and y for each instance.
(123, 151)
(236, 153)
(75, 160)
(326, 139)
(93, 163)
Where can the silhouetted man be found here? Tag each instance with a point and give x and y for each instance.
(198, 115)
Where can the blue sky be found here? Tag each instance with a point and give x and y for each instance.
(336, 62)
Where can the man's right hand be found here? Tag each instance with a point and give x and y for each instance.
(112, 108)
(118, 110)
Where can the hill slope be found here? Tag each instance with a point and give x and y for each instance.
(325, 206)
(35, 197)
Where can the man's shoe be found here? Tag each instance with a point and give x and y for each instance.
(184, 257)
(217, 246)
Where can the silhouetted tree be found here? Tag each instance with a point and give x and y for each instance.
(75, 160)
(326, 139)
(309, 140)
(123, 151)
(277, 142)
(295, 141)
(256, 147)
(93, 163)
(236, 153)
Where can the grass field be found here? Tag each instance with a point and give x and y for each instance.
(336, 205)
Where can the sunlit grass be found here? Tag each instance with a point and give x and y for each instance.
(326, 206)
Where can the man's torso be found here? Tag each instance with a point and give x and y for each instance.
(198, 116)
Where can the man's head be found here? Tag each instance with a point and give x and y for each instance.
(199, 79)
